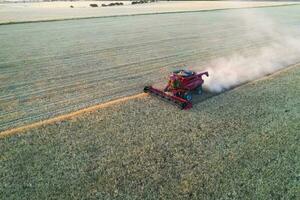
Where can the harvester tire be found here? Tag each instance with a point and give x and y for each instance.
(188, 96)
(199, 90)
(146, 89)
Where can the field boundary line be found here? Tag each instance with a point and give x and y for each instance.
(68, 116)
(141, 14)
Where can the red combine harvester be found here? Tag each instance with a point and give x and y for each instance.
(181, 85)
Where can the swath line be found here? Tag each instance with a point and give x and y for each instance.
(68, 116)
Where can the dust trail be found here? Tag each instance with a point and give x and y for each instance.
(282, 51)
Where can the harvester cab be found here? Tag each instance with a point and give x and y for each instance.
(181, 85)
(177, 77)
(183, 73)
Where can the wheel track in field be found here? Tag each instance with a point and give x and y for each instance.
(89, 74)
(55, 104)
(88, 81)
(60, 105)
(137, 45)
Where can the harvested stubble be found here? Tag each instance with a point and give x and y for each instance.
(59, 67)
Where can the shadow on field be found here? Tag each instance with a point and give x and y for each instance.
(204, 96)
(207, 94)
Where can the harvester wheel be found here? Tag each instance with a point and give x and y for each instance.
(146, 89)
(182, 106)
(199, 90)
(188, 96)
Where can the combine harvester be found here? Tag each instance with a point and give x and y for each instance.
(181, 85)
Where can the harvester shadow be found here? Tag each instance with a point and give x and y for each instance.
(207, 94)
(204, 96)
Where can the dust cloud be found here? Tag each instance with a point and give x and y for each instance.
(238, 68)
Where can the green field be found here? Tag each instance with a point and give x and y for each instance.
(242, 144)
(52, 68)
